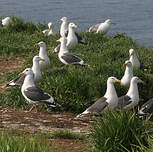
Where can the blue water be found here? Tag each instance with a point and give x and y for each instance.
(134, 17)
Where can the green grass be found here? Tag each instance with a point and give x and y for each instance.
(120, 132)
(64, 134)
(16, 142)
(75, 88)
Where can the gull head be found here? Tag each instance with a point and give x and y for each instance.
(108, 21)
(42, 44)
(131, 52)
(137, 80)
(63, 19)
(72, 25)
(37, 59)
(27, 71)
(127, 63)
(50, 25)
(113, 80)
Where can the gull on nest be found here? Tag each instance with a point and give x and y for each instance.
(128, 74)
(102, 28)
(66, 57)
(20, 79)
(108, 101)
(51, 30)
(33, 94)
(131, 99)
(6, 21)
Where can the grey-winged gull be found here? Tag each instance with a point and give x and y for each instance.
(6, 21)
(131, 99)
(51, 30)
(32, 93)
(146, 108)
(44, 65)
(101, 27)
(128, 74)
(108, 101)
(20, 79)
(66, 57)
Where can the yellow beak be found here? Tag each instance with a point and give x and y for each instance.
(59, 20)
(42, 59)
(124, 64)
(57, 41)
(75, 26)
(35, 45)
(119, 81)
(113, 23)
(21, 74)
(143, 83)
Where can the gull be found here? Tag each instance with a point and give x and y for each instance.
(64, 26)
(51, 30)
(102, 28)
(108, 101)
(131, 99)
(6, 21)
(32, 93)
(20, 79)
(128, 74)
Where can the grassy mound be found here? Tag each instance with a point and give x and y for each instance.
(75, 88)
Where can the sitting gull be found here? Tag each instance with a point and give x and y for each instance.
(131, 99)
(108, 101)
(6, 21)
(32, 93)
(66, 57)
(51, 30)
(43, 54)
(101, 27)
(20, 79)
(73, 38)
(125, 81)
(64, 26)
(146, 108)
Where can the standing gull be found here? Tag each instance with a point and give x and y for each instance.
(64, 26)
(20, 79)
(146, 108)
(131, 99)
(101, 27)
(6, 21)
(43, 54)
(133, 58)
(128, 74)
(51, 30)
(32, 93)
(66, 57)
(108, 101)
(73, 38)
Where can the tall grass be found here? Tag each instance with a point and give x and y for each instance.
(120, 132)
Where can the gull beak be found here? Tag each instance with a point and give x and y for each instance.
(113, 23)
(119, 81)
(21, 74)
(75, 26)
(35, 45)
(143, 83)
(42, 59)
(124, 65)
(57, 41)
(59, 20)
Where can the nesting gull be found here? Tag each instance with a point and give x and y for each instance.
(66, 57)
(101, 27)
(20, 79)
(51, 30)
(6, 21)
(32, 93)
(108, 101)
(128, 74)
(131, 99)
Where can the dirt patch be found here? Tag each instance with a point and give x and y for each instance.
(10, 65)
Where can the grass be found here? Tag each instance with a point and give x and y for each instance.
(15, 142)
(64, 134)
(76, 88)
(121, 132)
